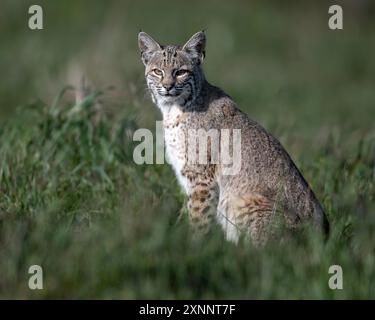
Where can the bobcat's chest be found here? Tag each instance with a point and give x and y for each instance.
(175, 134)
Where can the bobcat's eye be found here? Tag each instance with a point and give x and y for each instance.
(182, 73)
(157, 72)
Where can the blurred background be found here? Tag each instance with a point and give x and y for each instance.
(271, 56)
(73, 201)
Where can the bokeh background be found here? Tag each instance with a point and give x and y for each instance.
(73, 201)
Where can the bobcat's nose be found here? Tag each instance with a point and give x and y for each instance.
(168, 86)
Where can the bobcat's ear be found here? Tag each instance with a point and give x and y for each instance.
(147, 46)
(196, 46)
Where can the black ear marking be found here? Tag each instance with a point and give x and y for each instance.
(196, 46)
(147, 46)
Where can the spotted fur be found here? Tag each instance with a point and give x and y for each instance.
(268, 181)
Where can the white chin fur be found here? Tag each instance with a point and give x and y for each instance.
(168, 100)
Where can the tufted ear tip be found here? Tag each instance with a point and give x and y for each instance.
(143, 36)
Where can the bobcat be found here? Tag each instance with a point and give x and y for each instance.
(268, 180)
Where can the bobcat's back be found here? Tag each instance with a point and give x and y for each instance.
(268, 176)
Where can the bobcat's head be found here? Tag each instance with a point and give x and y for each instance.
(173, 73)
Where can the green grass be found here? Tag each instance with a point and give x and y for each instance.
(73, 201)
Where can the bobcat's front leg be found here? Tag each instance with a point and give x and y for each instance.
(202, 207)
(202, 202)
